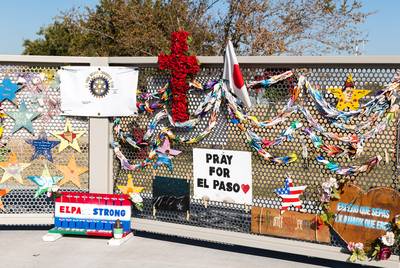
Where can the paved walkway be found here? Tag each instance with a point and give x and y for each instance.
(26, 249)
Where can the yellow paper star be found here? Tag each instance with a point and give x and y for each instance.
(129, 188)
(68, 137)
(71, 172)
(3, 192)
(13, 169)
(348, 96)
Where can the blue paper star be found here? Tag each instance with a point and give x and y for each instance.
(8, 90)
(23, 118)
(43, 147)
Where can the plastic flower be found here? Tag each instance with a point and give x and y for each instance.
(357, 251)
(388, 239)
(136, 197)
(384, 253)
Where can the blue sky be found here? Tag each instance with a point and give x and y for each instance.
(21, 19)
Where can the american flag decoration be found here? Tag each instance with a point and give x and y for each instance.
(290, 195)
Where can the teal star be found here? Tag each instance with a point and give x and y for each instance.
(23, 118)
(45, 182)
(8, 90)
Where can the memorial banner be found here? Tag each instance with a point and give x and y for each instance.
(98, 91)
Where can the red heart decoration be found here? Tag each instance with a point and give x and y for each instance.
(245, 188)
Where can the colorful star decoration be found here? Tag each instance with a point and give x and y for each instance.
(133, 192)
(290, 195)
(166, 149)
(3, 192)
(13, 169)
(68, 137)
(23, 118)
(71, 172)
(348, 96)
(43, 147)
(45, 182)
(129, 188)
(8, 90)
(165, 155)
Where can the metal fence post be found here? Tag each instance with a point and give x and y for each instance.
(100, 153)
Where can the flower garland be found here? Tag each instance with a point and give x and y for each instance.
(381, 248)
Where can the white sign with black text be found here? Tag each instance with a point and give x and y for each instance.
(222, 175)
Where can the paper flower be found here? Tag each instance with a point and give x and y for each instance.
(388, 239)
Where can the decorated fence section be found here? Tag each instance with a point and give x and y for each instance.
(91, 214)
(41, 151)
(312, 130)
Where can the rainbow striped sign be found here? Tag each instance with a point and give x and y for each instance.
(91, 214)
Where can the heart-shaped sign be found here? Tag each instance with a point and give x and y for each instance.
(245, 188)
(363, 216)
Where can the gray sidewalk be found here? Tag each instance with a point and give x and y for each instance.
(26, 249)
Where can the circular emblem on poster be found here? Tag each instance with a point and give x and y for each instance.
(99, 83)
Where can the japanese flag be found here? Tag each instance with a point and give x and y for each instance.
(233, 76)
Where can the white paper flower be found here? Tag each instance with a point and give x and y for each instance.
(388, 239)
(136, 198)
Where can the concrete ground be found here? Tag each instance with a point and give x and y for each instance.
(26, 249)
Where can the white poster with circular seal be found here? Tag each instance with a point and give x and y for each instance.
(222, 175)
(98, 91)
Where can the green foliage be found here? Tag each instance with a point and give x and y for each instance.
(256, 27)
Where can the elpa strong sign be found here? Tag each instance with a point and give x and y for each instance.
(91, 214)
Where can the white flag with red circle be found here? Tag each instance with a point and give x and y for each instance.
(233, 76)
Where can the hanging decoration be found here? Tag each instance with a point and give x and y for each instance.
(380, 111)
(348, 96)
(46, 183)
(180, 66)
(12, 169)
(8, 89)
(23, 118)
(71, 172)
(133, 192)
(68, 137)
(233, 77)
(290, 195)
(43, 146)
(211, 103)
(3, 192)
(350, 170)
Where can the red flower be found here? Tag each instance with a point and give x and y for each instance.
(384, 253)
